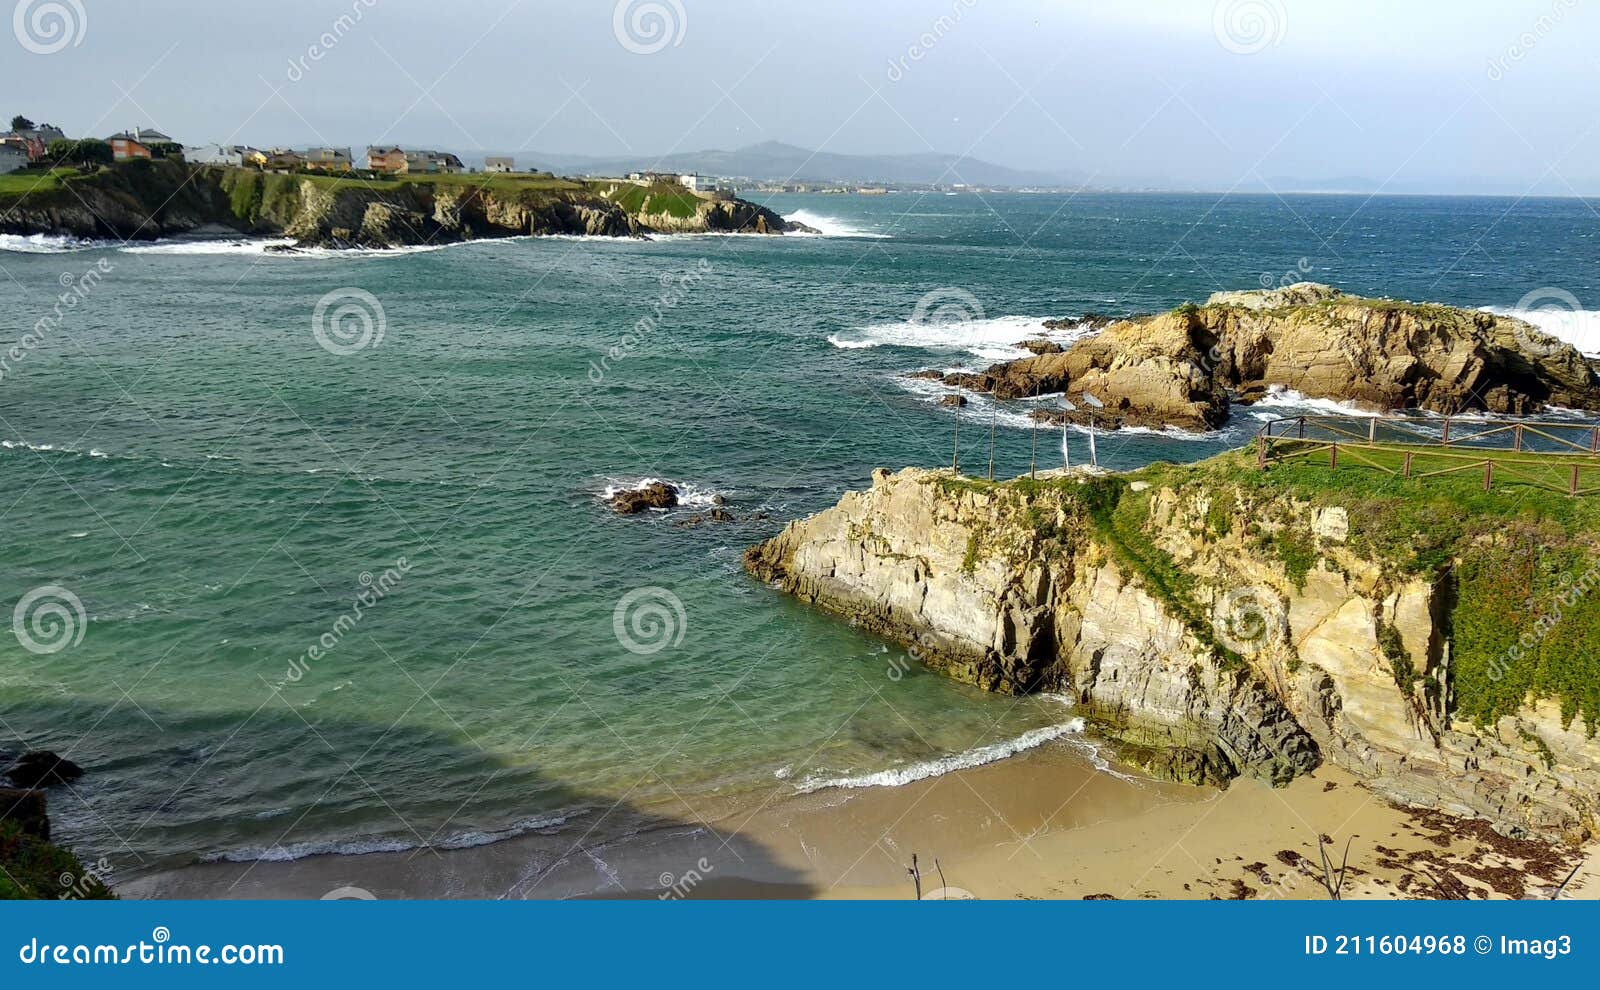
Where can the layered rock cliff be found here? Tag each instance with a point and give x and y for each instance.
(1184, 367)
(1210, 628)
(154, 199)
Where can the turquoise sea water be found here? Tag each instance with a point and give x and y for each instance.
(217, 490)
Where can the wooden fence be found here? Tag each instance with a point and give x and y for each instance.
(1559, 455)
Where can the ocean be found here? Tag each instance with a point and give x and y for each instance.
(309, 552)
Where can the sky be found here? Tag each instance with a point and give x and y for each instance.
(1466, 96)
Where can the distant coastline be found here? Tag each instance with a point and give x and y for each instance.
(152, 199)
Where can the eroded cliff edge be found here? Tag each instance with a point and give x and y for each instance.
(145, 200)
(1215, 621)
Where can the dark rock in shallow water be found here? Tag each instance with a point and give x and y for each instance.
(41, 769)
(658, 495)
(956, 401)
(27, 809)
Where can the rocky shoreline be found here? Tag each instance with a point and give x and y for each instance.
(1210, 627)
(149, 200)
(1184, 369)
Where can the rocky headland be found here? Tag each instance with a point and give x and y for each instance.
(1217, 620)
(1185, 368)
(147, 200)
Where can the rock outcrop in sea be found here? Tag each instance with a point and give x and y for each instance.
(146, 200)
(1211, 629)
(1184, 368)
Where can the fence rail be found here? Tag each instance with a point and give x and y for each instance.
(1558, 455)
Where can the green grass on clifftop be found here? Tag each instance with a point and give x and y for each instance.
(1521, 562)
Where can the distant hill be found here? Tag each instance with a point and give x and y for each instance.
(774, 161)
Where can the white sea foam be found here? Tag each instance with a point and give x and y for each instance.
(832, 226)
(980, 406)
(211, 247)
(900, 776)
(689, 493)
(991, 338)
(280, 853)
(1280, 399)
(1578, 327)
(46, 244)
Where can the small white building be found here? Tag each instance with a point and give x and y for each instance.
(12, 158)
(496, 164)
(695, 182)
(214, 154)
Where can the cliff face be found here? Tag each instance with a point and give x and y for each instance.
(1204, 657)
(148, 200)
(1180, 368)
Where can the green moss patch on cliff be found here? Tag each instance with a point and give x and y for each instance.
(662, 197)
(1525, 562)
(32, 869)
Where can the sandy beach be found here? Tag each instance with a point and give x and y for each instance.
(1043, 825)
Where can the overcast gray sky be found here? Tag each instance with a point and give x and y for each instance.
(1466, 95)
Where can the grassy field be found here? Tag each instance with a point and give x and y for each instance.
(1519, 562)
(19, 184)
(662, 197)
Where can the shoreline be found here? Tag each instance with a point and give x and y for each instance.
(1043, 824)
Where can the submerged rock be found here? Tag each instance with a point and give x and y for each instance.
(41, 769)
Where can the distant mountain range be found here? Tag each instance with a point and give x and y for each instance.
(774, 161)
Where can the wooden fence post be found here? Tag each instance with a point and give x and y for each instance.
(1446, 430)
(1594, 440)
(1372, 430)
(1333, 455)
(1408, 464)
(1572, 489)
(1516, 442)
(1488, 475)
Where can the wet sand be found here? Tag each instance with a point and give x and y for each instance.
(1045, 824)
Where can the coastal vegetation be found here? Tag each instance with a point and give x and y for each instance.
(147, 199)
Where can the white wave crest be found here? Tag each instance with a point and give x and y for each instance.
(832, 226)
(689, 493)
(992, 338)
(372, 844)
(1578, 327)
(211, 247)
(46, 244)
(1279, 399)
(977, 757)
